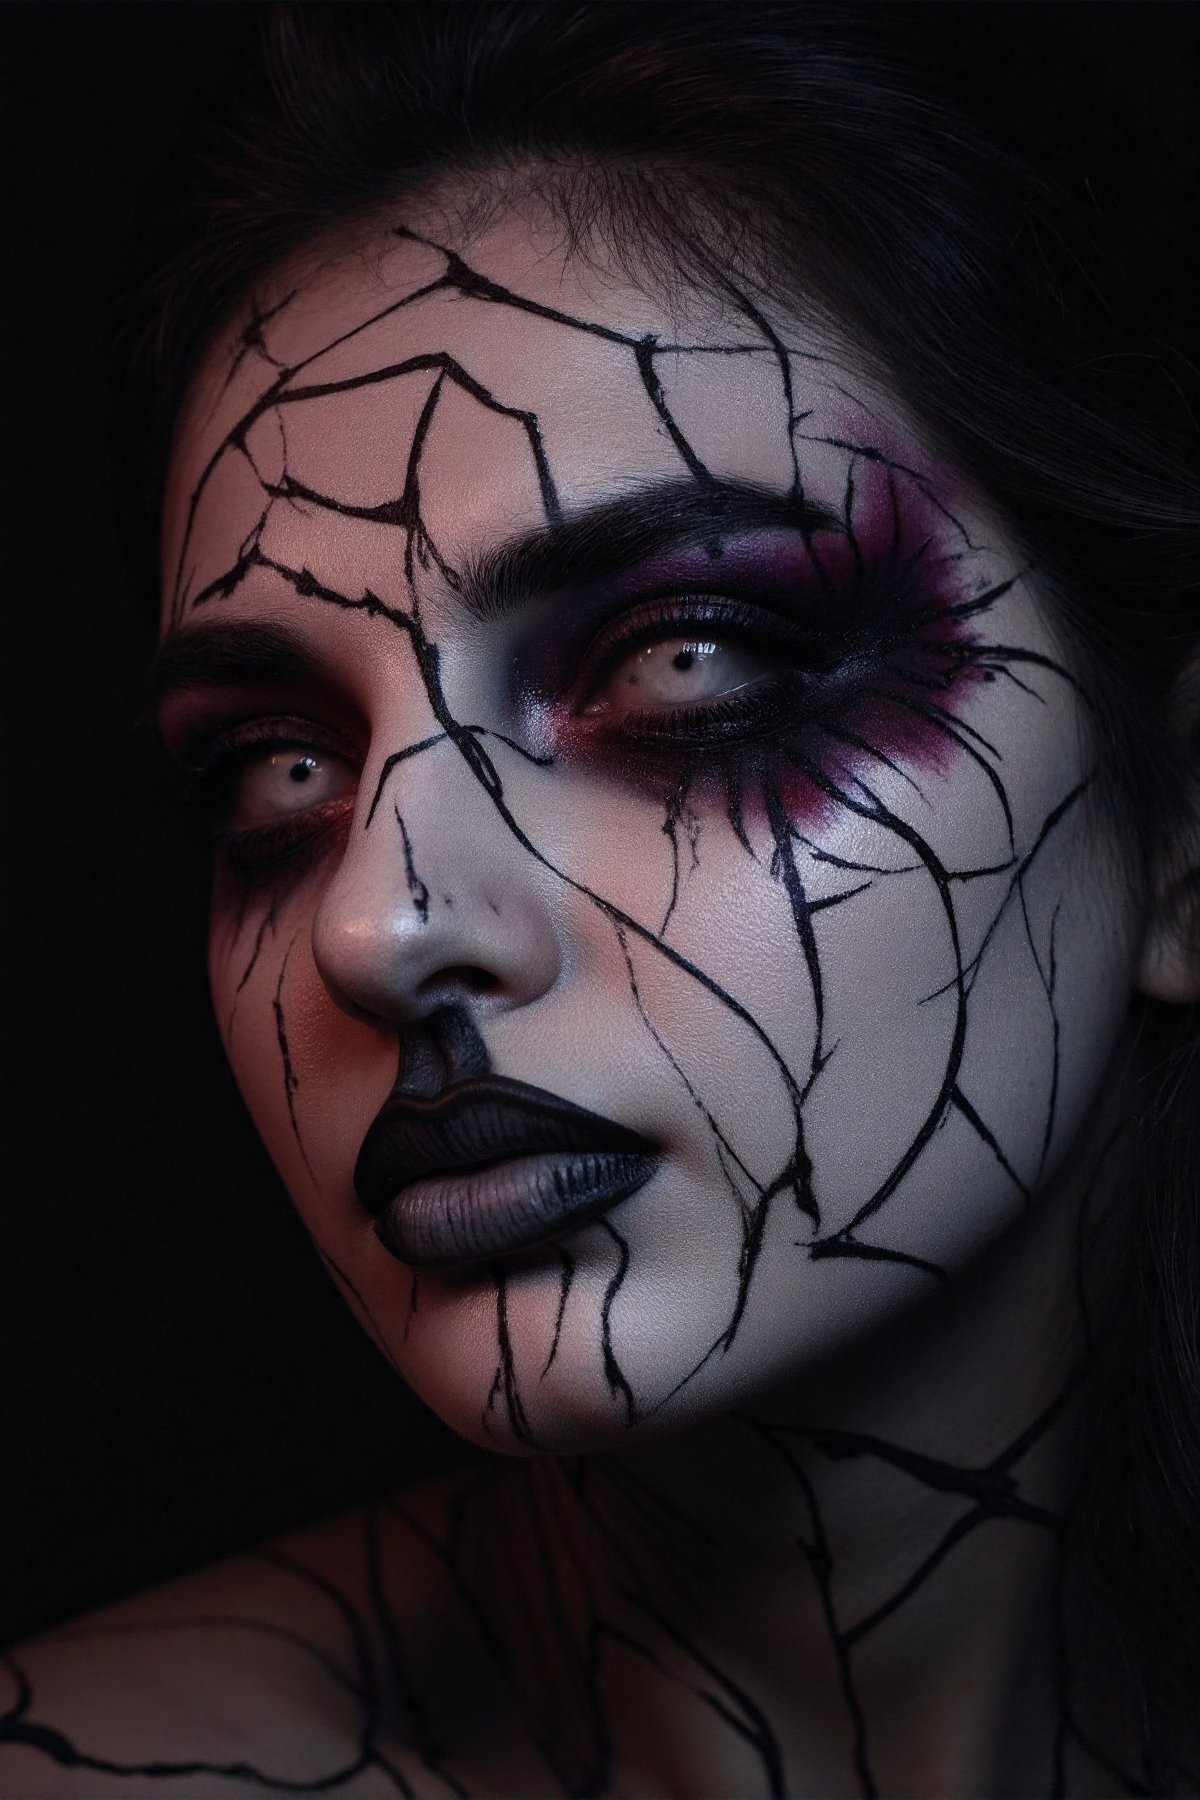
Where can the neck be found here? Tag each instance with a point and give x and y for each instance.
(859, 1579)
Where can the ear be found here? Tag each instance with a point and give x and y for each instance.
(1169, 963)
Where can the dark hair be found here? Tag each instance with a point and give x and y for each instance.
(780, 142)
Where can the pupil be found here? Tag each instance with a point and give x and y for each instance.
(302, 770)
(683, 659)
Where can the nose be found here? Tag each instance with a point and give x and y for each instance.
(436, 902)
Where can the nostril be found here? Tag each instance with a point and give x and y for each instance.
(466, 978)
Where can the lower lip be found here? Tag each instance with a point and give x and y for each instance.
(469, 1215)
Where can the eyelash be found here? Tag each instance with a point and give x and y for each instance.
(807, 660)
(258, 853)
(816, 668)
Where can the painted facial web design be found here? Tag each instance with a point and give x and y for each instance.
(883, 694)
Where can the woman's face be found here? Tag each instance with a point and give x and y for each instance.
(658, 927)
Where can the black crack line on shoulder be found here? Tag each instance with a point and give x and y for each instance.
(62, 1750)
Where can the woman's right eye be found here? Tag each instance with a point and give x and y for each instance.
(280, 783)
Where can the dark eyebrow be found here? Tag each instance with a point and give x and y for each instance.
(614, 536)
(230, 653)
(594, 544)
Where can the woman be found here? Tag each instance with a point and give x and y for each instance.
(700, 715)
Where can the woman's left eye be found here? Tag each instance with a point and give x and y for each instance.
(685, 670)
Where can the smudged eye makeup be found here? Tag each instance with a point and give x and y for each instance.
(272, 789)
(827, 655)
(685, 667)
(767, 659)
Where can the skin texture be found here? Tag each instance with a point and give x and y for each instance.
(851, 953)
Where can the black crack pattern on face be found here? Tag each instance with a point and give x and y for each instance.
(537, 1648)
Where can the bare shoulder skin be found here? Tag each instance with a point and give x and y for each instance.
(277, 1671)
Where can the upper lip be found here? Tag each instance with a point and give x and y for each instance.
(474, 1123)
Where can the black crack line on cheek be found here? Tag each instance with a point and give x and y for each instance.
(340, 1276)
(960, 1102)
(505, 1380)
(753, 1217)
(61, 1749)
(268, 922)
(845, 1241)
(565, 1280)
(785, 871)
(416, 887)
(670, 826)
(613, 1375)
(1048, 976)
(291, 1081)
(815, 853)
(1053, 819)
(967, 739)
(839, 734)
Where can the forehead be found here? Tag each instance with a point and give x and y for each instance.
(484, 390)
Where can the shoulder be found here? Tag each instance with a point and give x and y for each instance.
(266, 1671)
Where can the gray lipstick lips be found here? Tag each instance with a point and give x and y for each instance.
(491, 1166)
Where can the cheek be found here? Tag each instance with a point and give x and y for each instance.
(312, 1077)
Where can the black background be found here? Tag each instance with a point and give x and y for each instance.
(178, 1376)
